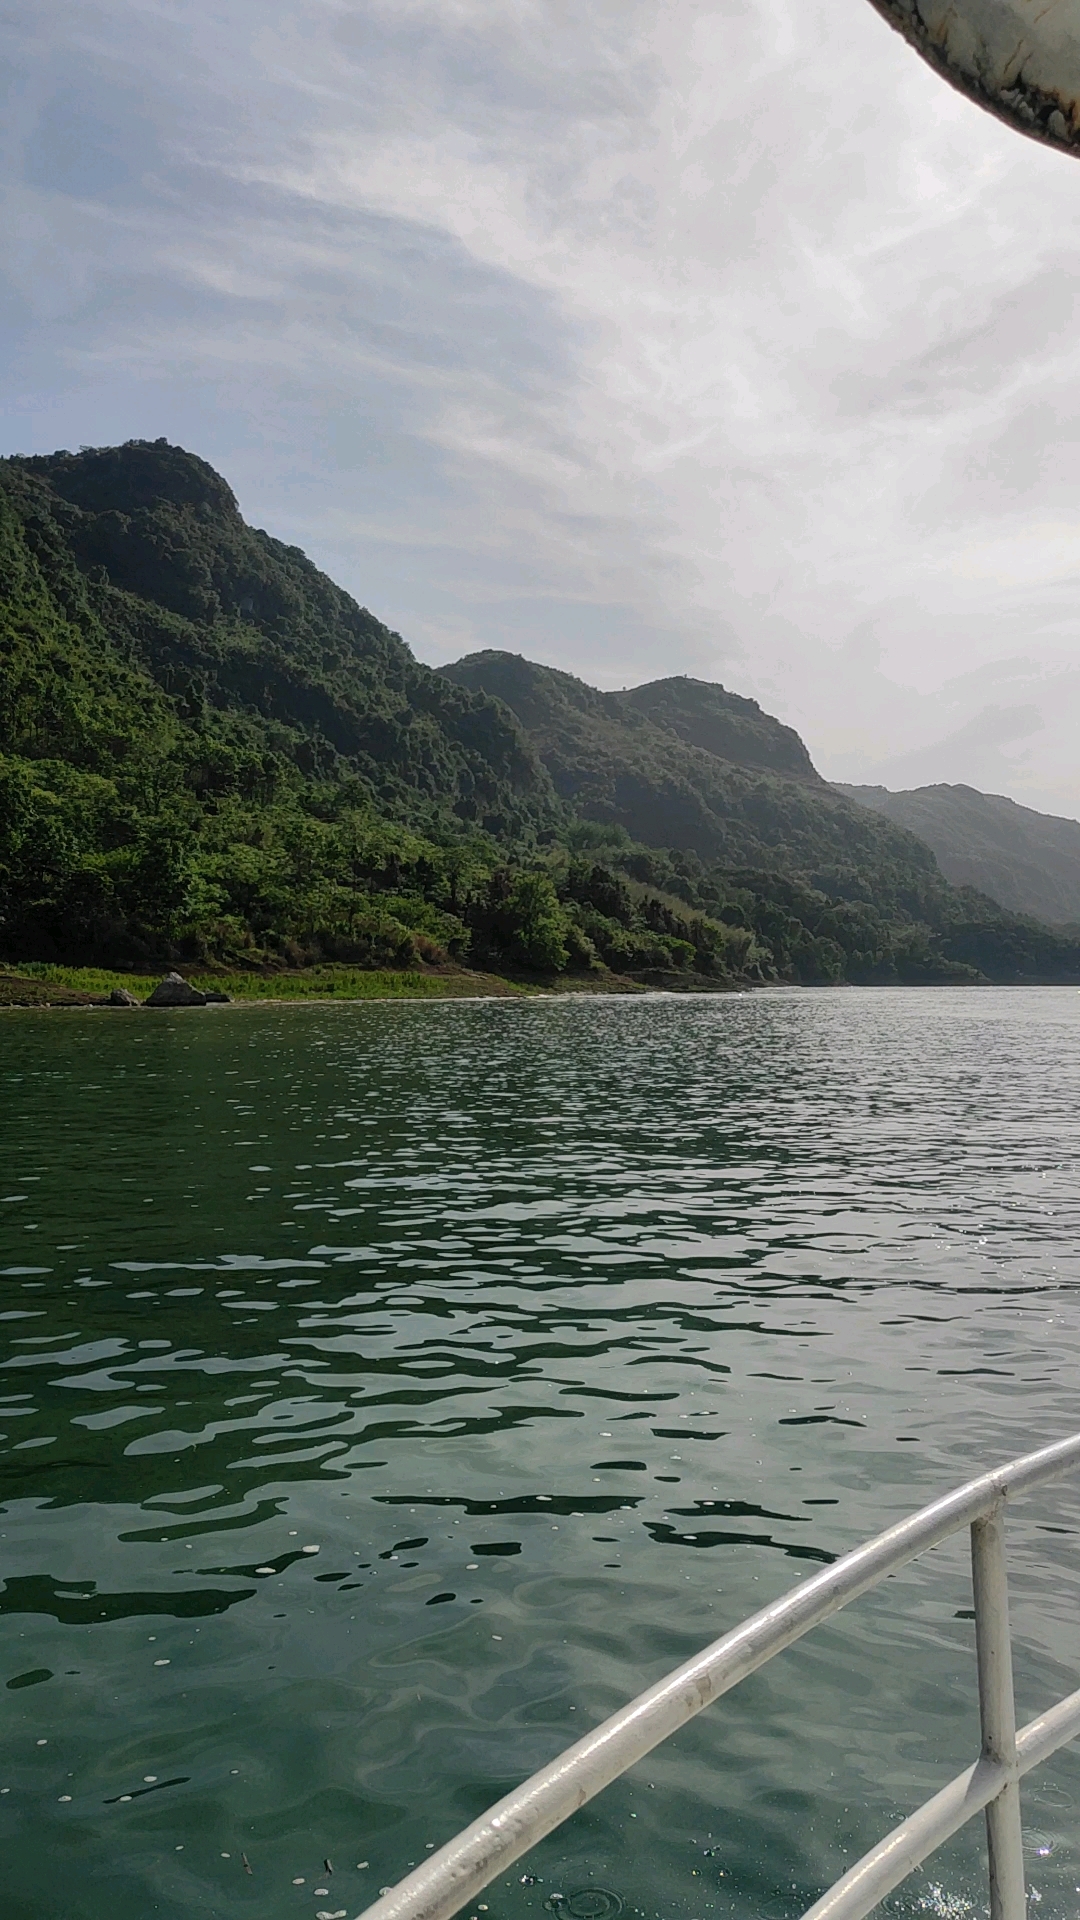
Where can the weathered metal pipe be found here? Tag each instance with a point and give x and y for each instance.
(997, 1713)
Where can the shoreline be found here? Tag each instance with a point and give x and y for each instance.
(51, 988)
(43, 992)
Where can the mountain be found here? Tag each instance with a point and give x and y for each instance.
(684, 764)
(210, 752)
(724, 724)
(1028, 861)
(147, 545)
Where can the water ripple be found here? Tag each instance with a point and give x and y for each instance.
(482, 1361)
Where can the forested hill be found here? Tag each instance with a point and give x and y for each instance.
(1028, 861)
(146, 546)
(724, 724)
(209, 751)
(751, 798)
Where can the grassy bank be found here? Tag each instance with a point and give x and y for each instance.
(40, 985)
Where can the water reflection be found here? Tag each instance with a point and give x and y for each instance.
(388, 1392)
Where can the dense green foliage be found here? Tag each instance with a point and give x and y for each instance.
(765, 843)
(723, 724)
(797, 933)
(210, 753)
(623, 759)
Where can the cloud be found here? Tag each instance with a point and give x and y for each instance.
(642, 337)
(970, 755)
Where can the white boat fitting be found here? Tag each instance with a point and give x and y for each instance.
(1020, 59)
(442, 1885)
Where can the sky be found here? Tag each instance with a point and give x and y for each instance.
(716, 337)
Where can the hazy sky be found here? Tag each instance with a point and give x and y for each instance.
(641, 336)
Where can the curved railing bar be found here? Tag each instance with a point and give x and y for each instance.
(908, 1845)
(440, 1886)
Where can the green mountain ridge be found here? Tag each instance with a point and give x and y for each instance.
(210, 752)
(726, 725)
(614, 762)
(150, 540)
(1028, 861)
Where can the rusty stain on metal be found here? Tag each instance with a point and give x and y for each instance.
(1019, 59)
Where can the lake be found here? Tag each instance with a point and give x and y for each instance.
(568, 1332)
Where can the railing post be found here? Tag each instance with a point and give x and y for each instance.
(1008, 1900)
(450, 1879)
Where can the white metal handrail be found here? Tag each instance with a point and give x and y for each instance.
(451, 1877)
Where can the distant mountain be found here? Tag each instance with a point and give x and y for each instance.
(209, 751)
(724, 724)
(684, 764)
(1028, 861)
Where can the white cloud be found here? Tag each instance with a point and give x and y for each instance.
(650, 336)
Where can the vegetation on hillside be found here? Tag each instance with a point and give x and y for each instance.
(1028, 861)
(625, 760)
(724, 724)
(831, 890)
(210, 754)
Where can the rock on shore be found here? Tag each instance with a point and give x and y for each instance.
(174, 991)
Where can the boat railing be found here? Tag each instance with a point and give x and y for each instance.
(453, 1876)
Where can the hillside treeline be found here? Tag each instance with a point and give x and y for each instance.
(209, 752)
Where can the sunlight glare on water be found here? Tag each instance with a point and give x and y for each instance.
(390, 1391)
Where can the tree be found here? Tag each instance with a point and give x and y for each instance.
(521, 919)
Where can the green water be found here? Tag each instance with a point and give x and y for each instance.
(568, 1333)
